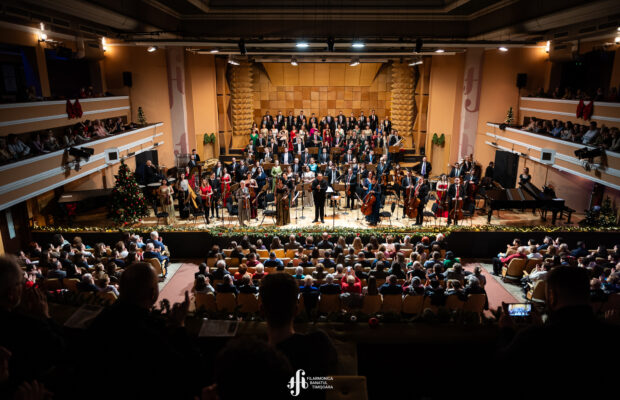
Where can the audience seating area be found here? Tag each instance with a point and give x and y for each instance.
(605, 137)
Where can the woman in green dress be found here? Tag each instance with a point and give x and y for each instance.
(276, 171)
(253, 137)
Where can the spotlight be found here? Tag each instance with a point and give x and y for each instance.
(82, 152)
(294, 62)
(503, 48)
(330, 44)
(588, 153)
(302, 45)
(103, 44)
(42, 37)
(232, 61)
(151, 49)
(416, 61)
(548, 46)
(439, 51)
(358, 45)
(354, 62)
(617, 40)
(214, 51)
(418, 45)
(242, 48)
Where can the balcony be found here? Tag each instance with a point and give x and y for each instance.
(33, 176)
(565, 110)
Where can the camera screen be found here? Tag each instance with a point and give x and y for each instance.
(519, 310)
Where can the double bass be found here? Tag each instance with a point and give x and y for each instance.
(456, 211)
(411, 207)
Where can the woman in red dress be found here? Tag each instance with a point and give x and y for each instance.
(205, 190)
(327, 138)
(225, 187)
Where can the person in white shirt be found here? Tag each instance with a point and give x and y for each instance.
(591, 134)
(534, 254)
(16, 147)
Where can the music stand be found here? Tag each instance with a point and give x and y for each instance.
(296, 208)
(339, 187)
(300, 189)
(334, 198)
(313, 150)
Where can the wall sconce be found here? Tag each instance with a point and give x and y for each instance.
(103, 45)
(42, 34)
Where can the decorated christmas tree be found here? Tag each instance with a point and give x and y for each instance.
(603, 215)
(127, 204)
(509, 117)
(141, 117)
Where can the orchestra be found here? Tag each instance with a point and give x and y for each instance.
(291, 161)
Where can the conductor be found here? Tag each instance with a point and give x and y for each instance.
(319, 187)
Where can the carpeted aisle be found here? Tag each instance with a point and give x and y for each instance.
(495, 291)
(182, 280)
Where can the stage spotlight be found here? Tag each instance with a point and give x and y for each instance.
(617, 40)
(294, 62)
(418, 45)
(548, 46)
(358, 45)
(214, 51)
(503, 48)
(82, 152)
(242, 48)
(151, 49)
(354, 62)
(302, 45)
(330, 44)
(232, 61)
(439, 51)
(416, 62)
(588, 153)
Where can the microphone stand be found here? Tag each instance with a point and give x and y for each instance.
(296, 208)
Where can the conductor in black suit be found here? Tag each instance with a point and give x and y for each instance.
(319, 187)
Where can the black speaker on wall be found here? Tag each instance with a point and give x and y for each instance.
(506, 168)
(127, 78)
(521, 80)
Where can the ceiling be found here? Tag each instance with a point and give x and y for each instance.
(387, 27)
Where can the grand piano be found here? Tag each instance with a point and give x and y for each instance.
(526, 197)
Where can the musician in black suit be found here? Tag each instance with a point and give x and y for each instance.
(348, 156)
(456, 191)
(196, 156)
(386, 125)
(279, 122)
(324, 156)
(374, 188)
(351, 122)
(332, 174)
(232, 168)
(319, 188)
(298, 146)
(373, 121)
(286, 157)
(341, 119)
(330, 122)
(192, 163)
(269, 119)
(151, 173)
(302, 120)
(289, 120)
(242, 171)
(424, 168)
(215, 198)
(457, 171)
(313, 120)
(350, 181)
(362, 120)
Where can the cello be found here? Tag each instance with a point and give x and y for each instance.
(368, 203)
(411, 208)
(456, 211)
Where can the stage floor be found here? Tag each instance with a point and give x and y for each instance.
(340, 217)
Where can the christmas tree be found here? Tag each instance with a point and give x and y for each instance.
(603, 215)
(141, 117)
(509, 117)
(127, 204)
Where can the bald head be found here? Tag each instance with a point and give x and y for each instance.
(138, 285)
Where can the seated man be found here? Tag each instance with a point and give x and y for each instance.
(87, 284)
(226, 286)
(329, 287)
(220, 271)
(391, 286)
(157, 242)
(150, 252)
(247, 286)
(273, 261)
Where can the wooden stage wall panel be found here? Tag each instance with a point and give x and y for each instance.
(321, 89)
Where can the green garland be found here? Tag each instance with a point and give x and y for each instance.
(439, 140)
(270, 230)
(208, 138)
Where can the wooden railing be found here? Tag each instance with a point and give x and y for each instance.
(565, 110)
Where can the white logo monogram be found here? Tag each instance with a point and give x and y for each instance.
(298, 382)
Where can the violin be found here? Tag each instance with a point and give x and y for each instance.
(369, 201)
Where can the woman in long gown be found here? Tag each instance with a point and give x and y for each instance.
(165, 193)
(308, 177)
(283, 210)
(276, 171)
(225, 181)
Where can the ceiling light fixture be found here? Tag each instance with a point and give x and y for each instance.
(294, 62)
(302, 45)
(503, 48)
(42, 34)
(416, 62)
(617, 40)
(358, 45)
(232, 61)
(214, 51)
(151, 49)
(548, 46)
(103, 44)
(439, 51)
(354, 62)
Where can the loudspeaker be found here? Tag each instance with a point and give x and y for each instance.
(521, 80)
(506, 166)
(127, 79)
(547, 156)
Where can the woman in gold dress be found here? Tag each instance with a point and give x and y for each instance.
(283, 209)
(165, 193)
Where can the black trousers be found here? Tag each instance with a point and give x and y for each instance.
(214, 209)
(351, 201)
(419, 219)
(319, 208)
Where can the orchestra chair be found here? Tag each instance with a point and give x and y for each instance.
(387, 214)
(160, 215)
(468, 215)
(263, 253)
(232, 262)
(371, 304)
(161, 271)
(347, 388)
(279, 253)
(71, 284)
(537, 292)
(205, 301)
(430, 214)
(413, 304)
(329, 303)
(514, 270)
(198, 213)
(392, 303)
(290, 253)
(226, 302)
(531, 263)
(454, 303)
(248, 303)
(108, 297)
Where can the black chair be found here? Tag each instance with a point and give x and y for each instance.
(388, 214)
(161, 215)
